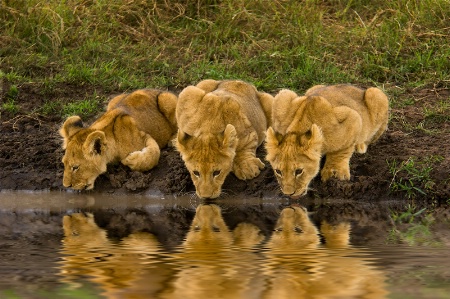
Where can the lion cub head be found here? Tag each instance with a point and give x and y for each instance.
(294, 230)
(80, 229)
(84, 159)
(294, 158)
(208, 228)
(209, 159)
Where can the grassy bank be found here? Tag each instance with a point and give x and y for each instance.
(122, 45)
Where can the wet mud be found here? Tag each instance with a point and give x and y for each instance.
(30, 158)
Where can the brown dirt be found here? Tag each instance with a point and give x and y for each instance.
(30, 154)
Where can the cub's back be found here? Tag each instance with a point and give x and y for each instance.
(247, 97)
(150, 115)
(341, 95)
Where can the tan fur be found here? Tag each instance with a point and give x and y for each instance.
(294, 230)
(298, 266)
(131, 131)
(329, 120)
(117, 268)
(221, 123)
(214, 261)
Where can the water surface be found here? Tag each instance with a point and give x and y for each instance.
(70, 245)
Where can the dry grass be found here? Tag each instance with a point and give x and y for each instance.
(274, 44)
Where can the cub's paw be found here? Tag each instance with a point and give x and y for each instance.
(361, 148)
(248, 169)
(137, 161)
(341, 174)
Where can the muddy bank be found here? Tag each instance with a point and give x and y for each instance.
(30, 158)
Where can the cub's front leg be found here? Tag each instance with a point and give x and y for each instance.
(245, 164)
(145, 159)
(337, 165)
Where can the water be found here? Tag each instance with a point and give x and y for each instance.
(64, 245)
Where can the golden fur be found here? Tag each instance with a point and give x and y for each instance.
(214, 261)
(119, 269)
(329, 120)
(221, 123)
(298, 266)
(132, 131)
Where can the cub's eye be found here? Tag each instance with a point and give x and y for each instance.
(278, 229)
(216, 229)
(298, 229)
(298, 171)
(278, 172)
(196, 173)
(75, 168)
(216, 173)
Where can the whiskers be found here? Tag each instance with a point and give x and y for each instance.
(309, 189)
(227, 193)
(182, 192)
(191, 194)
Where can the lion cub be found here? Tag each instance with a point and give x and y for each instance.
(298, 265)
(329, 120)
(132, 131)
(221, 123)
(215, 262)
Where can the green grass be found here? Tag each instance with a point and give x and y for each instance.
(9, 104)
(413, 177)
(89, 106)
(438, 113)
(82, 108)
(413, 226)
(274, 44)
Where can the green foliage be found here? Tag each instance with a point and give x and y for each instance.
(51, 108)
(10, 104)
(83, 108)
(86, 107)
(412, 176)
(439, 113)
(12, 93)
(413, 227)
(274, 44)
(407, 216)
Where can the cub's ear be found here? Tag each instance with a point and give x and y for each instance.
(266, 101)
(230, 139)
(95, 144)
(167, 104)
(181, 140)
(192, 92)
(315, 141)
(208, 85)
(72, 125)
(273, 138)
(187, 100)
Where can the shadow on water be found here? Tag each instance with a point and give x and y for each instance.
(105, 246)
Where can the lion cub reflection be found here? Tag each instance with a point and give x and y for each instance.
(216, 262)
(299, 267)
(118, 268)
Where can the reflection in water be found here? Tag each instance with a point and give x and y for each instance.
(298, 266)
(128, 269)
(118, 256)
(216, 262)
